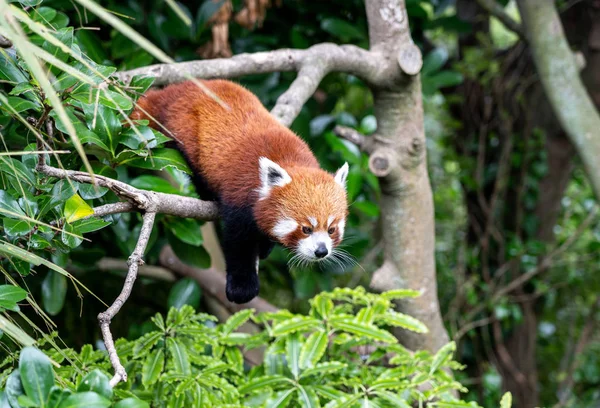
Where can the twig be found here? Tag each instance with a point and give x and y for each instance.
(496, 10)
(113, 208)
(134, 262)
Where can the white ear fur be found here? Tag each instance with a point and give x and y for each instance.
(271, 175)
(341, 175)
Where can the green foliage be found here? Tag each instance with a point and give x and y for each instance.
(340, 354)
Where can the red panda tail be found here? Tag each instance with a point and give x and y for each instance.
(149, 107)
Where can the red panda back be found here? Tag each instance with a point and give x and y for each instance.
(224, 145)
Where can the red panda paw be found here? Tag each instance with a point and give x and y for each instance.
(242, 288)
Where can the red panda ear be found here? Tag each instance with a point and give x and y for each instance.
(271, 175)
(341, 175)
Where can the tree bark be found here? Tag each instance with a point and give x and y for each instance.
(406, 196)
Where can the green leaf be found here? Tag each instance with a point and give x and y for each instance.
(37, 376)
(506, 401)
(263, 382)
(308, 398)
(323, 305)
(89, 191)
(85, 400)
(9, 70)
(434, 60)
(442, 356)
(363, 330)
(235, 358)
(236, 320)
(10, 206)
(158, 160)
(107, 124)
(405, 321)
(154, 183)
(76, 209)
(21, 104)
(185, 292)
(54, 292)
(10, 295)
(342, 29)
(70, 237)
(328, 392)
(179, 356)
(400, 294)
(298, 323)
(293, 346)
(57, 396)
(189, 254)
(187, 230)
(146, 342)
(323, 368)
(89, 225)
(313, 349)
(14, 388)
(281, 399)
(98, 382)
(132, 403)
(153, 366)
(392, 398)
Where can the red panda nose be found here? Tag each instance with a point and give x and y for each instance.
(321, 250)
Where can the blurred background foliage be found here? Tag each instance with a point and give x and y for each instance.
(505, 197)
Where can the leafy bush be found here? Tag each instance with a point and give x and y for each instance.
(339, 355)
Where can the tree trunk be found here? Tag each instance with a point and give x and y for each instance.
(400, 162)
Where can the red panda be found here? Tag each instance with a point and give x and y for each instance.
(265, 179)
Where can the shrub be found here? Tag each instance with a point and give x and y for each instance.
(341, 354)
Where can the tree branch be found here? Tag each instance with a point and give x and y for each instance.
(562, 83)
(212, 281)
(143, 200)
(496, 10)
(134, 262)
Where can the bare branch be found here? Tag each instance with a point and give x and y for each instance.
(346, 58)
(290, 103)
(496, 10)
(156, 272)
(172, 204)
(114, 208)
(134, 262)
(211, 281)
(364, 143)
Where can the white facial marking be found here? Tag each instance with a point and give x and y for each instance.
(341, 225)
(313, 221)
(341, 175)
(284, 227)
(271, 175)
(330, 220)
(309, 245)
(257, 259)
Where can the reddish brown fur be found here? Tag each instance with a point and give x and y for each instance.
(225, 147)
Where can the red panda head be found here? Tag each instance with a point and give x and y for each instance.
(304, 208)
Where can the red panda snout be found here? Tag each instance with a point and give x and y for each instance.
(303, 208)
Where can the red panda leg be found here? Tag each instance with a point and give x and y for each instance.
(240, 246)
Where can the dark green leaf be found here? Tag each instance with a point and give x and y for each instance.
(152, 368)
(10, 295)
(9, 71)
(187, 230)
(97, 382)
(15, 228)
(37, 376)
(57, 395)
(85, 400)
(434, 61)
(192, 255)
(21, 104)
(70, 237)
(185, 292)
(10, 206)
(14, 388)
(342, 29)
(154, 183)
(159, 159)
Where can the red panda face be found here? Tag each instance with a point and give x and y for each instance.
(303, 208)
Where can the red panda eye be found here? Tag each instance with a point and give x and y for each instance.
(331, 230)
(307, 230)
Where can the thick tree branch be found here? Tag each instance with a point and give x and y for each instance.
(211, 281)
(560, 77)
(496, 10)
(134, 262)
(346, 58)
(144, 200)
